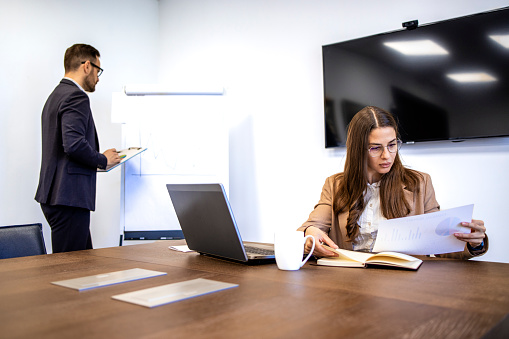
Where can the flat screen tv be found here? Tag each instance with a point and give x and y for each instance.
(443, 81)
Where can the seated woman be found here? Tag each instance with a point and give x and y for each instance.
(376, 186)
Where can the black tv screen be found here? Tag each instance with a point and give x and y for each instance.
(443, 81)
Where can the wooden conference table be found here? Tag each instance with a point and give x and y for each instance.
(443, 299)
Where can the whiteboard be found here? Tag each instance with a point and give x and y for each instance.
(186, 137)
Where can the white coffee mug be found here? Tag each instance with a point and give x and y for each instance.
(289, 249)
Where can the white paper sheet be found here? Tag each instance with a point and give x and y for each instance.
(100, 280)
(431, 233)
(166, 294)
(181, 248)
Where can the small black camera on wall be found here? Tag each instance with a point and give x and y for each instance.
(411, 24)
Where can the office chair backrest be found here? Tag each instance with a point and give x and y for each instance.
(21, 241)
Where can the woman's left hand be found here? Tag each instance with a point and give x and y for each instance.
(477, 234)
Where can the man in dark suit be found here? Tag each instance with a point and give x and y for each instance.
(70, 152)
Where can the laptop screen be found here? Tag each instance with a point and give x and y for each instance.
(207, 220)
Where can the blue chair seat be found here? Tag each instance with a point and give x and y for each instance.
(21, 241)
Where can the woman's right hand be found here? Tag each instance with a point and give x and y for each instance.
(320, 238)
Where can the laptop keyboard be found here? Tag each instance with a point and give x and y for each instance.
(257, 250)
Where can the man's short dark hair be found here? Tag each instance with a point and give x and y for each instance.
(78, 53)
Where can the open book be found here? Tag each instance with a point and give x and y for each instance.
(362, 259)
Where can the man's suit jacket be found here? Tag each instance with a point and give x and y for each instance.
(70, 149)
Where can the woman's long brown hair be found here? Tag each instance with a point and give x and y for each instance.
(351, 184)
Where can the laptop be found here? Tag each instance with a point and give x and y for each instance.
(209, 227)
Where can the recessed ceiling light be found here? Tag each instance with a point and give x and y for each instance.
(471, 77)
(501, 39)
(417, 47)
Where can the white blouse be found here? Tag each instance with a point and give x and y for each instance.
(369, 219)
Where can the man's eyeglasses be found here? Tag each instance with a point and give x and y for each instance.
(100, 70)
(392, 147)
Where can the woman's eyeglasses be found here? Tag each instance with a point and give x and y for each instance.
(392, 147)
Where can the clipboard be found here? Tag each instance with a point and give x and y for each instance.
(127, 155)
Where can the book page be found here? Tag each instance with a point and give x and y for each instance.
(395, 262)
(394, 259)
(337, 261)
(354, 255)
(350, 255)
(390, 256)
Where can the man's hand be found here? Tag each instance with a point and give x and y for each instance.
(112, 157)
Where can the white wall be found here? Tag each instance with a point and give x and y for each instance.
(268, 56)
(33, 38)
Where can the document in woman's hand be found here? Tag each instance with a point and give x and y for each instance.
(424, 234)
